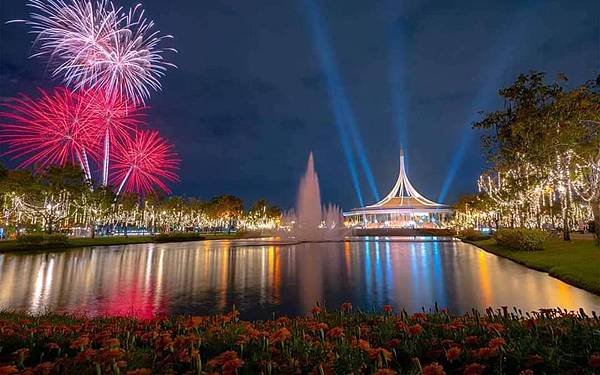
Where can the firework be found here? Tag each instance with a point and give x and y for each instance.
(117, 118)
(56, 129)
(145, 161)
(95, 45)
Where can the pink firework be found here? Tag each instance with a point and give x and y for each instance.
(56, 129)
(144, 162)
(95, 45)
(117, 118)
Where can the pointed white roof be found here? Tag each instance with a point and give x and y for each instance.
(403, 197)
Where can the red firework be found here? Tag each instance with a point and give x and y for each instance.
(145, 161)
(56, 129)
(116, 117)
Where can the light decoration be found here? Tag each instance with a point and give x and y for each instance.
(553, 195)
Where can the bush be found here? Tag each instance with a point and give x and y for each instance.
(37, 240)
(177, 237)
(522, 239)
(473, 235)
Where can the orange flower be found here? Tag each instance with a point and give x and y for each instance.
(496, 343)
(453, 353)
(140, 371)
(231, 366)
(387, 309)
(346, 306)
(486, 352)
(474, 369)
(471, 340)
(415, 330)
(280, 335)
(315, 310)
(364, 345)
(228, 361)
(336, 332)
(80, 343)
(375, 353)
(594, 361)
(8, 370)
(385, 371)
(434, 369)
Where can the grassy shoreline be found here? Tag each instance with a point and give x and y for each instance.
(577, 262)
(12, 246)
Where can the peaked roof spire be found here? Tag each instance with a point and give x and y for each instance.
(403, 189)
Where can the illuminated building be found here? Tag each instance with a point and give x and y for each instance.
(403, 207)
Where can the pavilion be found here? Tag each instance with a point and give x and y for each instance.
(403, 207)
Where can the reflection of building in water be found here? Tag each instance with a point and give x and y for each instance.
(403, 207)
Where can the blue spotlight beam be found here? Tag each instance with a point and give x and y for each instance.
(344, 117)
(510, 44)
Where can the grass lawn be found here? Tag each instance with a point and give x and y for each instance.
(12, 245)
(576, 262)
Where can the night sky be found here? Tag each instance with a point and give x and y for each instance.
(258, 84)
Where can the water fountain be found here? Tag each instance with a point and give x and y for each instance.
(310, 221)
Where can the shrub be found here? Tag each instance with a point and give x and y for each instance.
(178, 237)
(522, 239)
(37, 240)
(473, 235)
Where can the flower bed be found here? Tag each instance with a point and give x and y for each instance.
(343, 341)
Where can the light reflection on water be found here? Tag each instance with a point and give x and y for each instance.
(262, 278)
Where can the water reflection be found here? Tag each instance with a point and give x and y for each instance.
(261, 278)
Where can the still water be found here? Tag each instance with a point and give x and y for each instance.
(261, 277)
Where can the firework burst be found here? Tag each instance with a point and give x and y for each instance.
(117, 118)
(144, 162)
(56, 129)
(96, 45)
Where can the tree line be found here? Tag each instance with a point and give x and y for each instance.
(60, 199)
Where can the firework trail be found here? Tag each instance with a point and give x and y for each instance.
(145, 161)
(116, 120)
(56, 129)
(96, 45)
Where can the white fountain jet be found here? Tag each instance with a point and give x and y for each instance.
(310, 221)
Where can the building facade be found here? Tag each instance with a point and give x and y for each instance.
(403, 207)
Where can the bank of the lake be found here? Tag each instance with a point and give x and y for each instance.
(576, 262)
(7, 246)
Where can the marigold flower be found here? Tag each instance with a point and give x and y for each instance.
(486, 353)
(346, 306)
(140, 371)
(496, 343)
(471, 340)
(474, 369)
(231, 366)
(594, 361)
(8, 370)
(80, 343)
(434, 369)
(385, 371)
(387, 309)
(336, 332)
(415, 330)
(453, 353)
(280, 335)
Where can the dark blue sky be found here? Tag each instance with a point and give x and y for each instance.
(250, 97)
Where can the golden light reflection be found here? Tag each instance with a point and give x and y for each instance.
(484, 278)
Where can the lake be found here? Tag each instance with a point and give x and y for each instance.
(262, 277)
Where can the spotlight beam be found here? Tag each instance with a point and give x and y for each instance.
(344, 117)
(509, 49)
